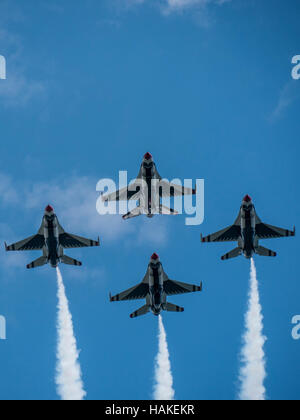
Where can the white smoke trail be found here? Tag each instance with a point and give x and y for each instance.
(253, 371)
(163, 389)
(68, 372)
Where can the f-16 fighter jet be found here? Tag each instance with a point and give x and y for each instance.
(155, 288)
(148, 189)
(52, 239)
(247, 230)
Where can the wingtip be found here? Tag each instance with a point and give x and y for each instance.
(201, 286)
(110, 297)
(6, 246)
(294, 231)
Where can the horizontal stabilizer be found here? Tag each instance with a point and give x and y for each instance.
(264, 252)
(142, 311)
(134, 213)
(70, 261)
(166, 211)
(38, 263)
(169, 307)
(232, 254)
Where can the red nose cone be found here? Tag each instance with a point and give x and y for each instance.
(155, 257)
(247, 198)
(49, 209)
(148, 156)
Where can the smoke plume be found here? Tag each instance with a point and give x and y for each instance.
(68, 373)
(163, 389)
(253, 370)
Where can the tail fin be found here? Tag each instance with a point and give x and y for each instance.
(264, 252)
(144, 310)
(70, 261)
(38, 263)
(169, 307)
(134, 213)
(232, 254)
(166, 211)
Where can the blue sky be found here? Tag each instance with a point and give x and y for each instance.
(207, 89)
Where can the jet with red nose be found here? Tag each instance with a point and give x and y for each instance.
(52, 239)
(155, 288)
(248, 230)
(148, 189)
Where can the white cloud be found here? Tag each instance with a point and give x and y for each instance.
(11, 260)
(179, 5)
(288, 95)
(18, 88)
(74, 200)
(8, 193)
(174, 6)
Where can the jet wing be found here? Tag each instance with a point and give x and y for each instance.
(67, 240)
(264, 231)
(172, 287)
(171, 190)
(230, 234)
(124, 194)
(34, 243)
(134, 293)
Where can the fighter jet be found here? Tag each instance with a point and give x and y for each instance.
(247, 230)
(155, 288)
(148, 189)
(52, 239)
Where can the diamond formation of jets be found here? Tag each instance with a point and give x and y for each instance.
(247, 230)
(52, 240)
(149, 193)
(155, 288)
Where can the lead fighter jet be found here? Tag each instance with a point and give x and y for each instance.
(155, 288)
(52, 239)
(148, 189)
(247, 230)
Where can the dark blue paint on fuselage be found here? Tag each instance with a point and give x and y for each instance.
(52, 244)
(248, 234)
(148, 168)
(156, 292)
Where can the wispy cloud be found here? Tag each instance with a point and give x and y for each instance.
(9, 260)
(18, 88)
(288, 95)
(74, 200)
(172, 6)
